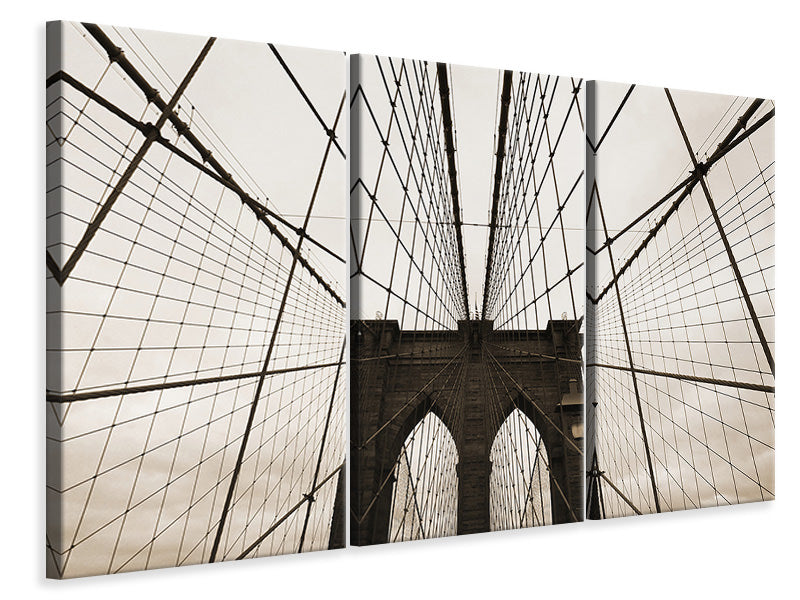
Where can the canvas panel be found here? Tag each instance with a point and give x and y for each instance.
(196, 242)
(467, 252)
(681, 290)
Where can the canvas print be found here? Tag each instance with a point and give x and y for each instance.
(196, 248)
(467, 299)
(681, 300)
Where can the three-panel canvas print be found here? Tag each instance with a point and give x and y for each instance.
(299, 300)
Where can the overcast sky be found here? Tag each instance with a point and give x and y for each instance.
(474, 95)
(682, 306)
(475, 100)
(182, 281)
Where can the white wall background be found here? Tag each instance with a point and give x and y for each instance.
(729, 47)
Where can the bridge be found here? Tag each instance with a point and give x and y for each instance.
(464, 418)
(196, 397)
(196, 315)
(680, 301)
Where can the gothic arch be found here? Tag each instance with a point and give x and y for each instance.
(520, 475)
(425, 489)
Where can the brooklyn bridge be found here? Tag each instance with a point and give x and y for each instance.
(198, 345)
(465, 418)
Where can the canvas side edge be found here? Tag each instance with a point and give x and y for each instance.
(54, 57)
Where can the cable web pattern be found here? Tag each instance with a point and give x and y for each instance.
(682, 296)
(196, 402)
(407, 264)
(454, 394)
(534, 277)
(427, 463)
(529, 493)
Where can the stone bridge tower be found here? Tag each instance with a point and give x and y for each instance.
(398, 377)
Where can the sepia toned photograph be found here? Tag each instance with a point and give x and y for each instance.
(196, 316)
(467, 300)
(680, 300)
(560, 303)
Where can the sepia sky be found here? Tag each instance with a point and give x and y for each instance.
(475, 100)
(183, 282)
(711, 444)
(396, 128)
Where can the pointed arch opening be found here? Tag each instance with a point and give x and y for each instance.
(425, 494)
(519, 483)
